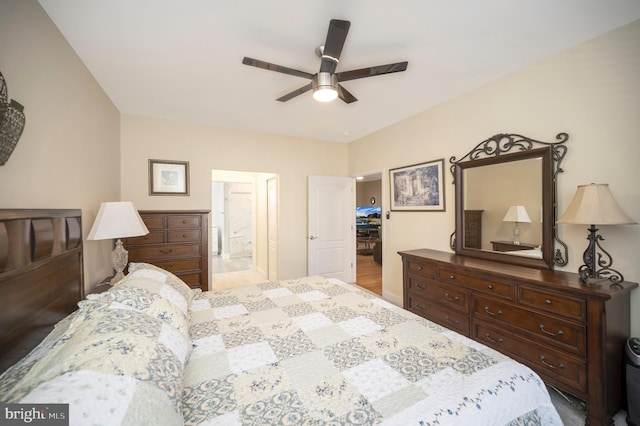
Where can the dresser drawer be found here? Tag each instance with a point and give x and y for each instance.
(495, 288)
(153, 221)
(552, 365)
(192, 280)
(567, 306)
(183, 221)
(164, 251)
(562, 334)
(449, 318)
(178, 265)
(428, 270)
(153, 237)
(450, 296)
(184, 235)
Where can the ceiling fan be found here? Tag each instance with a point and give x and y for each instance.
(326, 83)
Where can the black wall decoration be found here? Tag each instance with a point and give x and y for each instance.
(11, 122)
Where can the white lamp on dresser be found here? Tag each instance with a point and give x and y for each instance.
(517, 214)
(593, 205)
(118, 219)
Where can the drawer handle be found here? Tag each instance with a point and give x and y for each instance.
(558, 333)
(547, 301)
(488, 336)
(453, 299)
(490, 287)
(419, 268)
(166, 251)
(560, 366)
(486, 309)
(184, 235)
(422, 308)
(421, 286)
(184, 222)
(452, 277)
(452, 322)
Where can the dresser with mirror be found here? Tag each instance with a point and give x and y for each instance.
(508, 296)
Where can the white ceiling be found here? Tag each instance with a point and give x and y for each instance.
(182, 60)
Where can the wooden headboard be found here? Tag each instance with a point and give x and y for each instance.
(41, 276)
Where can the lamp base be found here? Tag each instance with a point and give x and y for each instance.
(589, 271)
(119, 260)
(516, 235)
(119, 276)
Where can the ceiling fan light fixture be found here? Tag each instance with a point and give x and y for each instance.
(325, 86)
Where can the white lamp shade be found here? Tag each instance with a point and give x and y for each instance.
(118, 219)
(517, 214)
(594, 204)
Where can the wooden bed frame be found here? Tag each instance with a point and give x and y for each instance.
(41, 276)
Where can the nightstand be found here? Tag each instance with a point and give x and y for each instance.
(511, 246)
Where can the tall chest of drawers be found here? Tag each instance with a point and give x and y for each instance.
(177, 241)
(572, 334)
(473, 228)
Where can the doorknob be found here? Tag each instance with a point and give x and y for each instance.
(313, 237)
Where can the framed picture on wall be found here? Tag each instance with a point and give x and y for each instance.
(168, 177)
(419, 187)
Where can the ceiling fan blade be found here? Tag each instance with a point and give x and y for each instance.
(372, 71)
(273, 67)
(295, 93)
(345, 95)
(336, 36)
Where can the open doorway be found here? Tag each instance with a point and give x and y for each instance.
(369, 236)
(242, 237)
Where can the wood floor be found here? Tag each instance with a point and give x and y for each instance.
(369, 274)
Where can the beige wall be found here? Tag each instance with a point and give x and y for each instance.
(69, 153)
(591, 91)
(366, 190)
(207, 148)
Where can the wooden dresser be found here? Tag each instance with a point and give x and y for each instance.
(177, 241)
(572, 334)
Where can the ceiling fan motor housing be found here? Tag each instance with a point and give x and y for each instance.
(324, 80)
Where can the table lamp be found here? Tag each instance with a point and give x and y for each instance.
(594, 205)
(118, 219)
(517, 214)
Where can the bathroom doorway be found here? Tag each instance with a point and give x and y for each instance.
(240, 237)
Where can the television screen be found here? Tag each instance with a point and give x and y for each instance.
(368, 216)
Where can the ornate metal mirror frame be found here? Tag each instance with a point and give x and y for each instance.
(499, 150)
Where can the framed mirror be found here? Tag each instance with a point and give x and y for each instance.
(506, 201)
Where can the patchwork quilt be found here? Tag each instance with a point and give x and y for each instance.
(318, 351)
(309, 351)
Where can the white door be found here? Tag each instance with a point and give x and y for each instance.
(272, 229)
(331, 227)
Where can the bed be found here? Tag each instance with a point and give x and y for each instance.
(311, 350)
